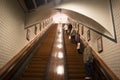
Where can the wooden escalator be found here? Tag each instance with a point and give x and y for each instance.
(74, 61)
(37, 66)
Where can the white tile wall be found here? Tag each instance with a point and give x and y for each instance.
(12, 32)
(13, 35)
(111, 50)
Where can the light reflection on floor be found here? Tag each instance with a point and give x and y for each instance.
(59, 46)
(60, 70)
(56, 67)
(60, 55)
(60, 40)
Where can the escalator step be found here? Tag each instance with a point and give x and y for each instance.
(76, 76)
(74, 61)
(36, 68)
(30, 78)
(35, 74)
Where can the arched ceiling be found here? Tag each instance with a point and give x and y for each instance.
(86, 21)
(95, 14)
(97, 10)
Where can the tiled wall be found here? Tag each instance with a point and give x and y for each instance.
(111, 50)
(12, 30)
(111, 53)
(12, 33)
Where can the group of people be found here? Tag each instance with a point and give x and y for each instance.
(82, 48)
(68, 28)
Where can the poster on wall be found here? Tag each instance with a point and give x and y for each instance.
(40, 26)
(78, 28)
(35, 30)
(43, 24)
(88, 35)
(100, 44)
(28, 34)
(82, 30)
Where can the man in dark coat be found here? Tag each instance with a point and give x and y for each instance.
(69, 27)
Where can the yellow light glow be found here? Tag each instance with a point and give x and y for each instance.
(60, 40)
(60, 18)
(59, 45)
(60, 70)
(60, 55)
(60, 35)
(60, 29)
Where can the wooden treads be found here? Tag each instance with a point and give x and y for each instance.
(74, 61)
(36, 68)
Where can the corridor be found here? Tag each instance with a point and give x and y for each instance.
(56, 59)
(50, 39)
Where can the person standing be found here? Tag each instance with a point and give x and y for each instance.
(88, 59)
(77, 37)
(80, 44)
(66, 28)
(69, 27)
(73, 33)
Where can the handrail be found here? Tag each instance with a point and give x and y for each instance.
(99, 72)
(14, 63)
(15, 60)
(104, 66)
(102, 63)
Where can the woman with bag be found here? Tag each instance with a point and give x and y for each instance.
(80, 44)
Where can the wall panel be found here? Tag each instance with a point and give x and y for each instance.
(12, 33)
(111, 50)
(12, 30)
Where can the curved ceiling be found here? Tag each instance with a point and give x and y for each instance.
(86, 21)
(97, 10)
(95, 14)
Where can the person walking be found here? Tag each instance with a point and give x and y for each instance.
(73, 33)
(66, 28)
(69, 27)
(80, 44)
(88, 59)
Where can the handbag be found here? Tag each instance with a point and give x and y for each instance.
(69, 37)
(78, 45)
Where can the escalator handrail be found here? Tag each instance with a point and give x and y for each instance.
(105, 69)
(16, 59)
(103, 64)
